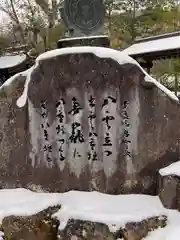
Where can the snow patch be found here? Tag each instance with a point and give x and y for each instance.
(171, 232)
(120, 57)
(9, 61)
(1, 235)
(112, 210)
(154, 45)
(23, 98)
(10, 80)
(22, 202)
(80, 38)
(173, 169)
(148, 78)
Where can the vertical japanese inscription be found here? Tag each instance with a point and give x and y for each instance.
(107, 120)
(76, 134)
(92, 153)
(60, 130)
(47, 147)
(125, 140)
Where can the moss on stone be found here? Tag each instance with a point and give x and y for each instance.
(37, 227)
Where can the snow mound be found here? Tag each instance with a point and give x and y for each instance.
(13, 78)
(9, 61)
(173, 169)
(101, 52)
(171, 232)
(113, 210)
(22, 202)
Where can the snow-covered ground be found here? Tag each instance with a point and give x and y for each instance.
(112, 210)
(171, 232)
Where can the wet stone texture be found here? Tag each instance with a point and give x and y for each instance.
(89, 124)
(38, 227)
(43, 227)
(13, 134)
(169, 191)
(132, 231)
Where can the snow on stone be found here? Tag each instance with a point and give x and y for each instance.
(148, 78)
(153, 45)
(101, 52)
(1, 235)
(171, 232)
(85, 37)
(8, 61)
(115, 211)
(22, 202)
(168, 233)
(10, 80)
(173, 169)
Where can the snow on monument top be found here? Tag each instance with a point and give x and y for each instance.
(100, 52)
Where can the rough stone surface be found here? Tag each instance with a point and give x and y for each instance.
(132, 231)
(43, 227)
(169, 191)
(133, 163)
(13, 135)
(37, 227)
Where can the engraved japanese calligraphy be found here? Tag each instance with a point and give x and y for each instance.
(72, 144)
(108, 121)
(92, 153)
(60, 129)
(76, 137)
(126, 141)
(47, 147)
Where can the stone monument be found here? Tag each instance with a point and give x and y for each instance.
(91, 121)
(85, 22)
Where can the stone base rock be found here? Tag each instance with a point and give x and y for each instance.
(38, 227)
(80, 230)
(169, 193)
(42, 227)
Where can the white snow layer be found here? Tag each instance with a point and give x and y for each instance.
(85, 37)
(153, 45)
(115, 211)
(1, 235)
(101, 52)
(9, 61)
(173, 169)
(10, 80)
(171, 232)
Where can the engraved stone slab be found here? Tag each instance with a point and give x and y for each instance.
(89, 123)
